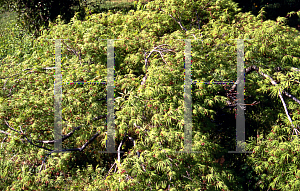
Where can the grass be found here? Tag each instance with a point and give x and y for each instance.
(6, 18)
(119, 3)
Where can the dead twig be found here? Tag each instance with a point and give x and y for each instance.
(77, 53)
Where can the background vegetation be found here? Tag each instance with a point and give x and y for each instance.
(274, 9)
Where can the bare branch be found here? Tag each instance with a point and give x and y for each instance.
(282, 100)
(187, 177)
(11, 127)
(4, 84)
(159, 50)
(287, 113)
(291, 96)
(119, 157)
(179, 22)
(295, 69)
(77, 53)
(155, 50)
(13, 157)
(17, 80)
(74, 149)
(43, 163)
(15, 74)
(275, 84)
(69, 134)
(285, 109)
(247, 71)
(255, 68)
(109, 170)
(296, 131)
(198, 20)
(4, 132)
(3, 141)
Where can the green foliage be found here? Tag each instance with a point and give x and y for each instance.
(153, 113)
(19, 42)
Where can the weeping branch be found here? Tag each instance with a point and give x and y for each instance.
(255, 68)
(71, 133)
(160, 51)
(4, 132)
(65, 137)
(282, 100)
